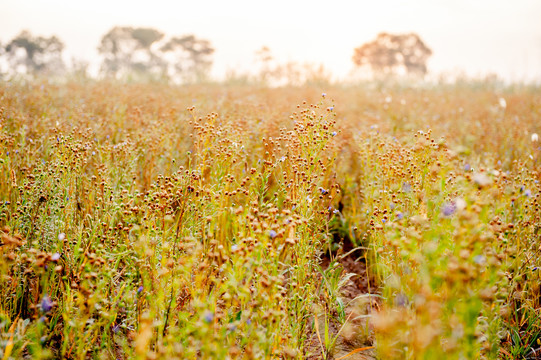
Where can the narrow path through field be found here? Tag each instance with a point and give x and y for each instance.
(357, 295)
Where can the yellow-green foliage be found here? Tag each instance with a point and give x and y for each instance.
(149, 221)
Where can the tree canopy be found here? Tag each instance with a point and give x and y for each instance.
(31, 55)
(130, 51)
(393, 53)
(191, 57)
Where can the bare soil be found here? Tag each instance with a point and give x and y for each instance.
(357, 297)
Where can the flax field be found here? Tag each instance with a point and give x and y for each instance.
(230, 221)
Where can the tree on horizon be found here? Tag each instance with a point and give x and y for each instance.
(35, 55)
(147, 53)
(391, 54)
(127, 50)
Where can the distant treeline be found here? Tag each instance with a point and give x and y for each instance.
(140, 53)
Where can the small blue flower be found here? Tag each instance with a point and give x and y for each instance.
(479, 259)
(324, 94)
(140, 289)
(208, 317)
(467, 167)
(331, 108)
(399, 216)
(406, 187)
(272, 234)
(334, 133)
(323, 191)
(46, 304)
(527, 193)
(401, 300)
(448, 209)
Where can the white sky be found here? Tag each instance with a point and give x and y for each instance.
(473, 36)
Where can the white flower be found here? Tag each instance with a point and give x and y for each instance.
(482, 180)
(535, 137)
(502, 102)
(460, 204)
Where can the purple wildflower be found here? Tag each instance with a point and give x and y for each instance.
(479, 259)
(46, 304)
(272, 234)
(406, 187)
(401, 300)
(55, 257)
(448, 209)
(208, 317)
(140, 289)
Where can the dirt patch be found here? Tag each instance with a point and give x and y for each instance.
(357, 296)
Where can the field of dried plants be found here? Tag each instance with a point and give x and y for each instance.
(146, 221)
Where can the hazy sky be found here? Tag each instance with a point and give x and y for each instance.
(473, 36)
